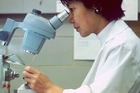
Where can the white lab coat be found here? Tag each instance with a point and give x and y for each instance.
(117, 65)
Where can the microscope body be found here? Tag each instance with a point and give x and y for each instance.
(37, 30)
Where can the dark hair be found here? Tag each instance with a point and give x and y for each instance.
(109, 9)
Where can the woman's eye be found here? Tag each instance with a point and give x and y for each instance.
(71, 9)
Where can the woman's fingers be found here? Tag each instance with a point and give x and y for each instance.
(27, 75)
(31, 75)
(30, 70)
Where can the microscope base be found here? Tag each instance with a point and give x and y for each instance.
(24, 88)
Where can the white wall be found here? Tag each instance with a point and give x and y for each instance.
(139, 6)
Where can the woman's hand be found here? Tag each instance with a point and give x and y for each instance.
(40, 82)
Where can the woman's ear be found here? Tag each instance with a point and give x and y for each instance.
(96, 10)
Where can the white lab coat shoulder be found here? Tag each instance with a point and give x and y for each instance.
(123, 36)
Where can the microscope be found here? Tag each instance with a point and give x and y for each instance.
(37, 30)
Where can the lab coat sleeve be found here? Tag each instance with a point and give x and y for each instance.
(82, 89)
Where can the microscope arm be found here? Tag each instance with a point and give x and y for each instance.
(8, 30)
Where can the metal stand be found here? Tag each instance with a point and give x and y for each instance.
(7, 74)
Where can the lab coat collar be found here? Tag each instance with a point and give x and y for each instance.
(111, 30)
(118, 27)
(102, 36)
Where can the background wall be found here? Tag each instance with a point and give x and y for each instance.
(56, 57)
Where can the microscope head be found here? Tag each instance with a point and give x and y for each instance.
(37, 30)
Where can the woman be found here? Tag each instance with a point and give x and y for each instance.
(116, 67)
